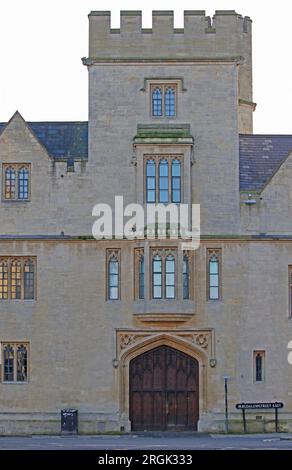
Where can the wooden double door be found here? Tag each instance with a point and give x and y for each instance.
(164, 391)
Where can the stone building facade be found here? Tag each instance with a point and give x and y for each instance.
(138, 334)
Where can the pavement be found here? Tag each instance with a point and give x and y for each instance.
(145, 441)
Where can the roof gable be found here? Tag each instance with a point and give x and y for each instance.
(260, 157)
(62, 140)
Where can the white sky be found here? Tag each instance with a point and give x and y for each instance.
(42, 42)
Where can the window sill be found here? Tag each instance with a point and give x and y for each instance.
(165, 307)
(15, 201)
(4, 382)
(32, 301)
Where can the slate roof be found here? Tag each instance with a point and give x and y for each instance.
(62, 139)
(260, 156)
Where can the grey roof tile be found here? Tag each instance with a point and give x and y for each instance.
(61, 139)
(260, 156)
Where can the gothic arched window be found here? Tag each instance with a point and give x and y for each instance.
(113, 257)
(23, 183)
(169, 102)
(169, 277)
(157, 101)
(163, 181)
(186, 277)
(176, 181)
(214, 275)
(157, 277)
(10, 183)
(150, 181)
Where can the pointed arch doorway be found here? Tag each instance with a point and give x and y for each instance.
(164, 390)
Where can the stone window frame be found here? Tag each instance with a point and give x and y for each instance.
(113, 253)
(16, 167)
(6, 275)
(164, 85)
(189, 255)
(157, 158)
(290, 291)
(15, 345)
(261, 353)
(211, 252)
(139, 254)
(163, 252)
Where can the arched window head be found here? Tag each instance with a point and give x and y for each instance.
(157, 101)
(169, 102)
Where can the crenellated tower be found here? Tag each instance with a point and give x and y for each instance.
(225, 37)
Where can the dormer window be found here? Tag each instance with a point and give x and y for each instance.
(16, 182)
(163, 100)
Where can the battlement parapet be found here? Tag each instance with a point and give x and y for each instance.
(202, 36)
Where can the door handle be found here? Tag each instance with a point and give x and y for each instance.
(166, 408)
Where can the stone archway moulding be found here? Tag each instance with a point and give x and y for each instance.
(199, 343)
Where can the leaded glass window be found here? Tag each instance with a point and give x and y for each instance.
(21, 363)
(3, 279)
(163, 100)
(15, 362)
(150, 181)
(163, 274)
(157, 277)
(16, 182)
(163, 179)
(17, 278)
(157, 101)
(23, 182)
(15, 269)
(141, 277)
(214, 281)
(186, 277)
(10, 182)
(169, 102)
(169, 277)
(8, 362)
(176, 181)
(28, 278)
(259, 363)
(113, 273)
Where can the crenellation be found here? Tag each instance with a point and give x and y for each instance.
(194, 13)
(193, 40)
(131, 22)
(247, 23)
(162, 22)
